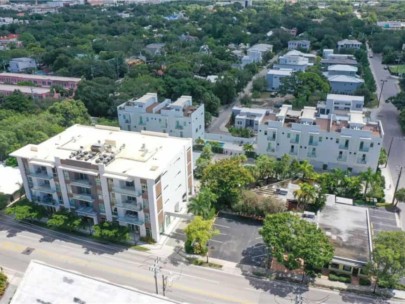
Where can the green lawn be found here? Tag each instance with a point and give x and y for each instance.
(397, 69)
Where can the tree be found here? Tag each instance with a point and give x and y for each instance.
(203, 161)
(69, 112)
(111, 232)
(198, 233)
(383, 158)
(265, 167)
(201, 204)
(248, 148)
(296, 243)
(306, 194)
(388, 263)
(306, 170)
(65, 220)
(400, 196)
(283, 167)
(226, 178)
(25, 210)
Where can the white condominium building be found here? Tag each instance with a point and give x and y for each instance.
(179, 118)
(140, 180)
(347, 142)
(340, 104)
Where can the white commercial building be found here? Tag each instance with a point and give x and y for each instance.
(140, 180)
(44, 283)
(349, 44)
(335, 141)
(337, 104)
(274, 78)
(179, 118)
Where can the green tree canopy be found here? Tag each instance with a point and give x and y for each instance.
(202, 204)
(198, 233)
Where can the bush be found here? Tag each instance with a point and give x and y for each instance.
(64, 220)
(25, 210)
(218, 150)
(147, 239)
(339, 278)
(3, 283)
(111, 232)
(364, 282)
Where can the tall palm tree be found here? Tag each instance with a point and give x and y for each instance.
(306, 170)
(368, 177)
(307, 194)
(202, 204)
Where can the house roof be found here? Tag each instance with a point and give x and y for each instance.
(341, 97)
(344, 78)
(334, 61)
(342, 68)
(10, 179)
(349, 41)
(261, 47)
(24, 89)
(281, 72)
(41, 77)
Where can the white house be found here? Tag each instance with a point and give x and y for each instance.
(336, 103)
(255, 53)
(248, 117)
(179, 118)
(274, 78)
(17, 65)
(295, 60)
(336, 141)
(342, 84)
(140, 180)
(349, 44)
(299, 44)
(341, 69)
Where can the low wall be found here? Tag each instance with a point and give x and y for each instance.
(229, 138)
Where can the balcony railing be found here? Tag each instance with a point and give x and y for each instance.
(131, 220)
(313, 143)
(47, 202)
(129, 205)
(362, 161)
(127, 190)
(81, 183)
(45, 189)
(83, 197)
(40, 174)
(364, 149)
(311, 154)
(294, 140)
(343, 147)
(341, 158)
(271, 138)
(179, 127)
(84, 210)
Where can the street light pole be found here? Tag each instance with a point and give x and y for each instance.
(383, 81)
(396, 186)
(389, 151)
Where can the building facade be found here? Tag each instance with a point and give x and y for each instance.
(349, 44)
(341, 69)
(139, 180)
(18, 65)
(248, 117)
(349, 142)
(299, 44)
(342, 84)
(337, 104)
(44, 81)
(295, 60)
(179, 118)
(274, 78)
(34, 92)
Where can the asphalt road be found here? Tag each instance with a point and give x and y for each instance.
(191, 284)
(388, 114)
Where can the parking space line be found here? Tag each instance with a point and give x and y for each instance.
(222, 226)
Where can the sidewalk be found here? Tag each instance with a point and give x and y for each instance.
(389, 184)
(14, 279)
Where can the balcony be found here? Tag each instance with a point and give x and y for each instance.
(343, 147)
(44, 189)
(131, 220)
(83, 197)
(47, 202)
(81, 183)
(312, 143)
(362, 161)
(364, 149)
(85, 211)
(311, 154)
(293, 152)
(342, 158)
(129, 205)
(271, 138)
(179, 127)
(295, 140)
(40, 175)
(127, 191)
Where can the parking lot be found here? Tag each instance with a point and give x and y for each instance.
(382, 220)
(239, 241)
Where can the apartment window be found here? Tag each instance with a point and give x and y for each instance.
(129, 184)
(337, 140)
(320, 139)
(265, 132)
(288, 135)
(371, 145)
(334, 265)
(147, 218)
(347, 268)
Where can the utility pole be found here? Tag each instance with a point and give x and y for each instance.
(396, 186)
(389, 151)
(383, 81)
(155, 268)
(164, 283)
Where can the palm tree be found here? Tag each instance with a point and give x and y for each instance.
(400, 196)
(201, 204)
(306, 170)
(368, 177)
(248, 148)
(306, 194)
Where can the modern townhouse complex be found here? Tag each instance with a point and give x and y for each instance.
(295, 60)
(299, 44)
(342, 84)
(349, 44)
(274, 78)
(179, 118)
(340, 104)
(44, 81)
(139, 180)
(248, 117)
(328, 141)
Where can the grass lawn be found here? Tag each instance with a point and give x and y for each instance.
(139, 248)
(397, 69)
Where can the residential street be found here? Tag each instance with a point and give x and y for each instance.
(388, 115)
(20, 243)
(218, 123)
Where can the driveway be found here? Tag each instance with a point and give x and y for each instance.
(239, 241)
(382, 220)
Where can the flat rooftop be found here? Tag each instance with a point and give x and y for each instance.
(344, 78)
(342, 68)
(340, 97)
(24, 89)
(10, 179)
(347, 228)
(344, 61)
(281, 72)
(42, 77)
(146, 154)
(43, 283)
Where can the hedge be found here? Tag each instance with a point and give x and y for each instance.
(364, 282)
(340, 278)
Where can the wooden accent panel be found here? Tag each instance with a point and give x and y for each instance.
(189, 168)
(189, 155)
(158, 189)
(190, 183)
(159, 204)
(161, 218)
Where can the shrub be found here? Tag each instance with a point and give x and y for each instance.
(364, 282)
(339, 278)
(218, 150)
(64, 220)
(147, 239)
(3, 283)
(111, 232)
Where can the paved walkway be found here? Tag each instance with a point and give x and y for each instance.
(14, 279)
